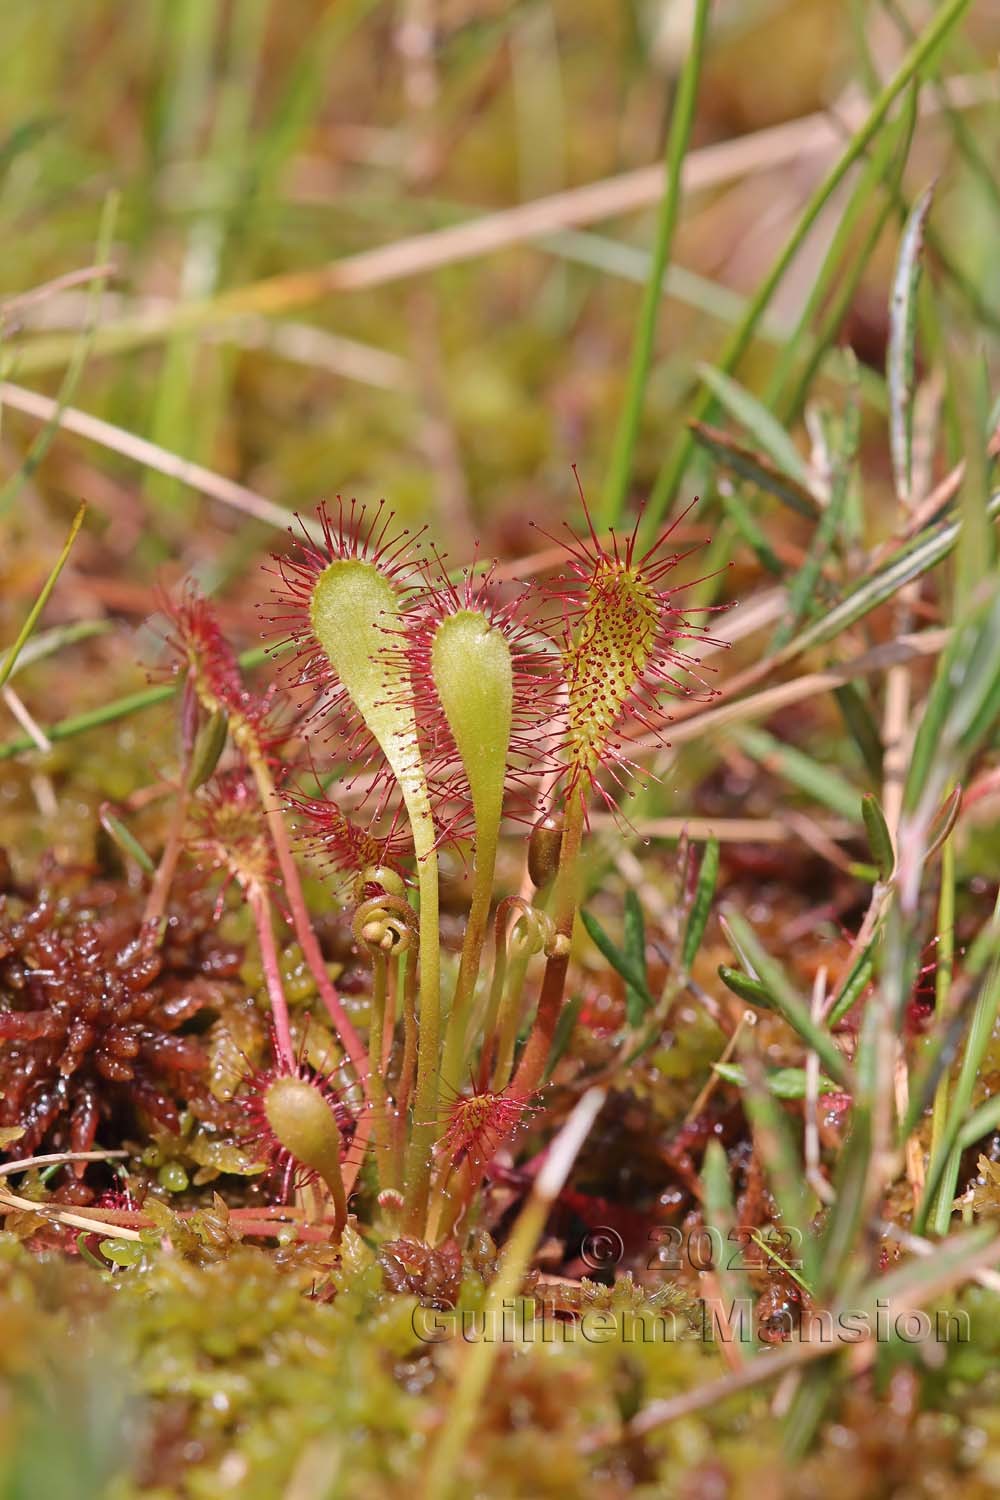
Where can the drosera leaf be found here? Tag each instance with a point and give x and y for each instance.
(633, 974)
(473, 674)
(912, 561)
(901, 353)
(879, 837)
(353, 604)
(783, 1083)
(701, 906)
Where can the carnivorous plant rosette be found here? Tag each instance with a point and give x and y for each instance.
(445, 699)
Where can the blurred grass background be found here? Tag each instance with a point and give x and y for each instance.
(248, 139)
(247, 162)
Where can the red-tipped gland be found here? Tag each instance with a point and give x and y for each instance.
(298, 1126)
(477, 1123)
(199, 648)
(623, 650)
(231, 830)
(482, 683)
(343, 601)
(348, 848)
(348, 533)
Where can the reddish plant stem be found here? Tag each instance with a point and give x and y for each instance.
(531, 1068)
(351, 1042)
(159, 891)
(260, 908)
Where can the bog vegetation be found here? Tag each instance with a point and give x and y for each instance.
(499, 986)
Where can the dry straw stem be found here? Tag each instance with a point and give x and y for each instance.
(96, 430)
(732, 830)
(957, 1264)
(14, 307)
(708, 167)
(906, 648)
(298, 343)
(12, 1202)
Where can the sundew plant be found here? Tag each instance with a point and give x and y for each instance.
(433, 710)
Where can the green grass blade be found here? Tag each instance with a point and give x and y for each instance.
(31, 621)
(859, 721)
(844, 255)
(879, 837)
(620, 471)
(854, 986)
(74, 369)
(701, 906)
(802, 591)
(783, 1083)
(748, 463)
(916, 59)
(777, 1149)
(942, 1172)
(720, 1216)
(634, 939)
(754, 417)
(633, 974)
(125, 839)
(746, 527)
(962, 705)
(785, 999)
(910, 563)
(901, 357)
(111, 713)
(821, 783)
(745, 987)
